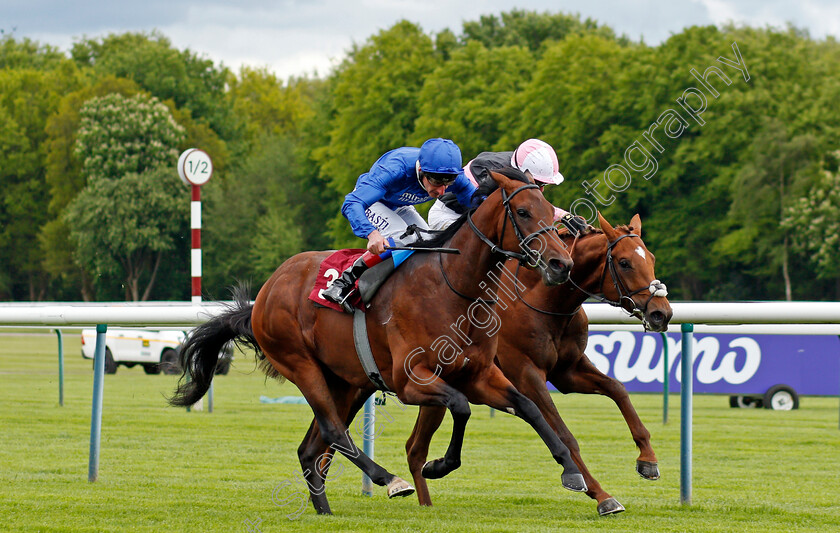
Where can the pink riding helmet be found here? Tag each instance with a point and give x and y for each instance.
(539, 158)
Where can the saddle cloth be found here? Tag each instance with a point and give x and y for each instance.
(332, 267)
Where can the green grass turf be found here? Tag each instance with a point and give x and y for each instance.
(163, 469)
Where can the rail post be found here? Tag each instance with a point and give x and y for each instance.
(96, 409)
(60, 368)
(665, 379)
(369, 429)
(687, 362)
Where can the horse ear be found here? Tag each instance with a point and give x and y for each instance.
(502, 180)
(608, 230)
(636, 222)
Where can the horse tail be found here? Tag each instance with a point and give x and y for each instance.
(200, 352)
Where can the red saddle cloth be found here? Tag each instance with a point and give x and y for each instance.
(331, 268)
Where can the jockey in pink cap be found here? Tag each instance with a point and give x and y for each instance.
(534, 157)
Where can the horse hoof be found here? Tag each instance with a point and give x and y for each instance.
(648, 469)
(573, 482)
(399, 487)
(430, 471)
(609, 506)
(437, 469)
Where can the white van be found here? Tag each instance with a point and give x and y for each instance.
(156, 350)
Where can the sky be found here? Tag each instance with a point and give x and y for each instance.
(309, 37)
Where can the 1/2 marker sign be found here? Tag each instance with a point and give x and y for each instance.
(195, 167)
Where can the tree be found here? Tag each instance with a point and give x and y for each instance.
(268, 106)
(119, 135)
(466, 97)
(277, 238)
(28, 54)
(764, 189)
(530, 29)
(129, 207)
(28, 96)
(255, 222)
(190, 81)
(122, 227)
(813, 221)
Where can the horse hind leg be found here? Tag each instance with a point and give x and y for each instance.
(316, 455)
(335, 433)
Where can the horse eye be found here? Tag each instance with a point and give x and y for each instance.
(523, 213)
(624, 263)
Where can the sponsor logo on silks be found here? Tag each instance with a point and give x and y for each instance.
(414, 198)
(379, 221)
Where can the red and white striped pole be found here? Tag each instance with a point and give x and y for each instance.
(195, 252)
(195, 169)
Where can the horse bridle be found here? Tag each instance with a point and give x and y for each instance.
(625, 295)
(530, 257)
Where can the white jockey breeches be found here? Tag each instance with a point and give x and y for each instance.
(392, 223)
(440, 216)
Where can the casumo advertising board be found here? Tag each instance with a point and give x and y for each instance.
(734, 364)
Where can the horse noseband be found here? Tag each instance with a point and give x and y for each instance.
(657, 288)
(531, 258)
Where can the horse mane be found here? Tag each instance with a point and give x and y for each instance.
(488, 186)
(564, 231)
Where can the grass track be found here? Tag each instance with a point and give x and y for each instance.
(162, 469)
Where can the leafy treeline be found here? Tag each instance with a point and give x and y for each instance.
(724, 140)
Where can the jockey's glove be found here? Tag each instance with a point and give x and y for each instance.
(576, 225)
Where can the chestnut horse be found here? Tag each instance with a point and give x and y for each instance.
(543, 335)
(409, 328)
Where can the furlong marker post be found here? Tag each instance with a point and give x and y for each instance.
(195, 169)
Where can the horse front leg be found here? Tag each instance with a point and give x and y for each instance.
(493, 389)
(532, 385)
(428, 421)
(585, 378)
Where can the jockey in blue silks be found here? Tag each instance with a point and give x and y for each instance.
(381, 207)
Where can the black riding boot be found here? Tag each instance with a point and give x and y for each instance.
(341, 289)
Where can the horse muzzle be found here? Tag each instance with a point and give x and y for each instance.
(657, 319)
(556, 271)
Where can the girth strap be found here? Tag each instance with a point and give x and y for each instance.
(360, 339)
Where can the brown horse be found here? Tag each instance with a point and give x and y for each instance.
(410, 327)
(543, 335)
